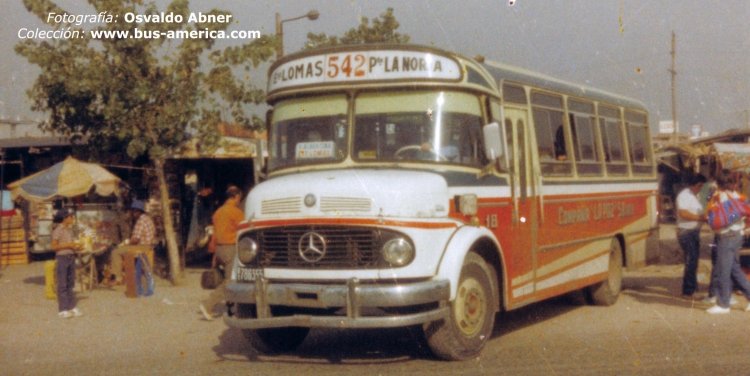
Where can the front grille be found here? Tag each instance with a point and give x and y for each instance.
(345, 204)
(290, 205)
(346, 247)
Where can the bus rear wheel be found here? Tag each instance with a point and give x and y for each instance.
(605, 293)
(468, 328)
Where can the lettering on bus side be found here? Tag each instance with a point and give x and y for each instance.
(597, 212)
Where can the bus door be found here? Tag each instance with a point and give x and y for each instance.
(524, 221)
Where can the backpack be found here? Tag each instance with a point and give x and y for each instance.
(722, 214)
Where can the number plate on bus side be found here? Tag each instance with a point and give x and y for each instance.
(248, 274)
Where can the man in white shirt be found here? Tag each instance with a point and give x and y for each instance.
(690, 215)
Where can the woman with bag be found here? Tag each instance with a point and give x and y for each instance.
(729, 240)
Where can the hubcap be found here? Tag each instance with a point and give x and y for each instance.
(470, 308)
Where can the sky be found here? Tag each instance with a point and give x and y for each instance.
(622, 46)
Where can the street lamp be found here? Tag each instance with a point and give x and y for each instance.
(311, 15)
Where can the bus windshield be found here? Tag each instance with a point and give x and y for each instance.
(430, 126)
(308, 130)
(399, 126)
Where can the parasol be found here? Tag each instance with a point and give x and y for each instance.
(68, 178)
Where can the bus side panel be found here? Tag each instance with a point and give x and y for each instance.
(576, 233)
(515, 241)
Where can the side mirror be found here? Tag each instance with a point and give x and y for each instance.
(494, 147)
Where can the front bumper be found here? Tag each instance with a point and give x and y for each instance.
(358, 300)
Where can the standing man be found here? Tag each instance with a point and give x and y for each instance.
(142, 239)
(226, 220)
(65, 247)
(690, 215)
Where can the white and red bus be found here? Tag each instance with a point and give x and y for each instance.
(410, 186)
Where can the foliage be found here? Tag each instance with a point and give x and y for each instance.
(146, 96)
(382, 30)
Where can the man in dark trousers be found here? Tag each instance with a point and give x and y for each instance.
(226, 221)
(690, 216)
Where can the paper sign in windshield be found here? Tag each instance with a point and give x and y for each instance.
(314, 150)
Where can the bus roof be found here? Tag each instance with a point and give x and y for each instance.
(313, 70)
(508, 73)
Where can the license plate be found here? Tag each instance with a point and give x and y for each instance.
(248, 274)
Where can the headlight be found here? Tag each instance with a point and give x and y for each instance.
(398, 252)
(247, 250)
(467, 204)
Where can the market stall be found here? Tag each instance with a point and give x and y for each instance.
(87, 188)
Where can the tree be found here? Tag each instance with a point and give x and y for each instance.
(383, 30)
(144, 95)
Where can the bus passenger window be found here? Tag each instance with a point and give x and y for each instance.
(640, 152)
(612, 140)
(585, 142)
(550, 135)
(543, 136)
(560, 153)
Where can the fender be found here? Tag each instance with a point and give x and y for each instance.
(456, 250)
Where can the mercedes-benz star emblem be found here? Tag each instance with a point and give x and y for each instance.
(312, 247)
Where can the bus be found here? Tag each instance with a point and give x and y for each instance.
(410, 186)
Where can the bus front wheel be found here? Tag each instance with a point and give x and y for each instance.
(605, 293)
(465, 332)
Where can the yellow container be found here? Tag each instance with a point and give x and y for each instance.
(50, 287)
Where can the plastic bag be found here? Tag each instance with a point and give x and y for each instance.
(722, 214)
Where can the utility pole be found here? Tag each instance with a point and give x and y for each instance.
(673, 71)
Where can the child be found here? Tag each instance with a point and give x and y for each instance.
(64, 245)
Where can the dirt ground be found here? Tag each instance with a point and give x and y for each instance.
(165, 334)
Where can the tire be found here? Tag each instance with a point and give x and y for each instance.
(465, 332)
(276, 340)
(605, 293)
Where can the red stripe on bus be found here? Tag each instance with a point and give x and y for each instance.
(354, 221)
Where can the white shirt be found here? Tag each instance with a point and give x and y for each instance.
(688, 201)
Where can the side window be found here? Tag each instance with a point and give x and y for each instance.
(514, 94)
(614, 149)
(549, 127)
(509, 141)
(497, 117)
(520, 151)
(638, 141)
(521, 129)
(585, 141)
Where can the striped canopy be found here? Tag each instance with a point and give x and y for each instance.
(68, 178)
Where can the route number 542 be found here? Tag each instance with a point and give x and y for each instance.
(348, 66)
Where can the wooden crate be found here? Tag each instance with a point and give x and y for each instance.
(13, 241)
(14, 259)
(12, 236)
(11, 222)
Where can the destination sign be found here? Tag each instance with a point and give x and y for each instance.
(363, 66)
